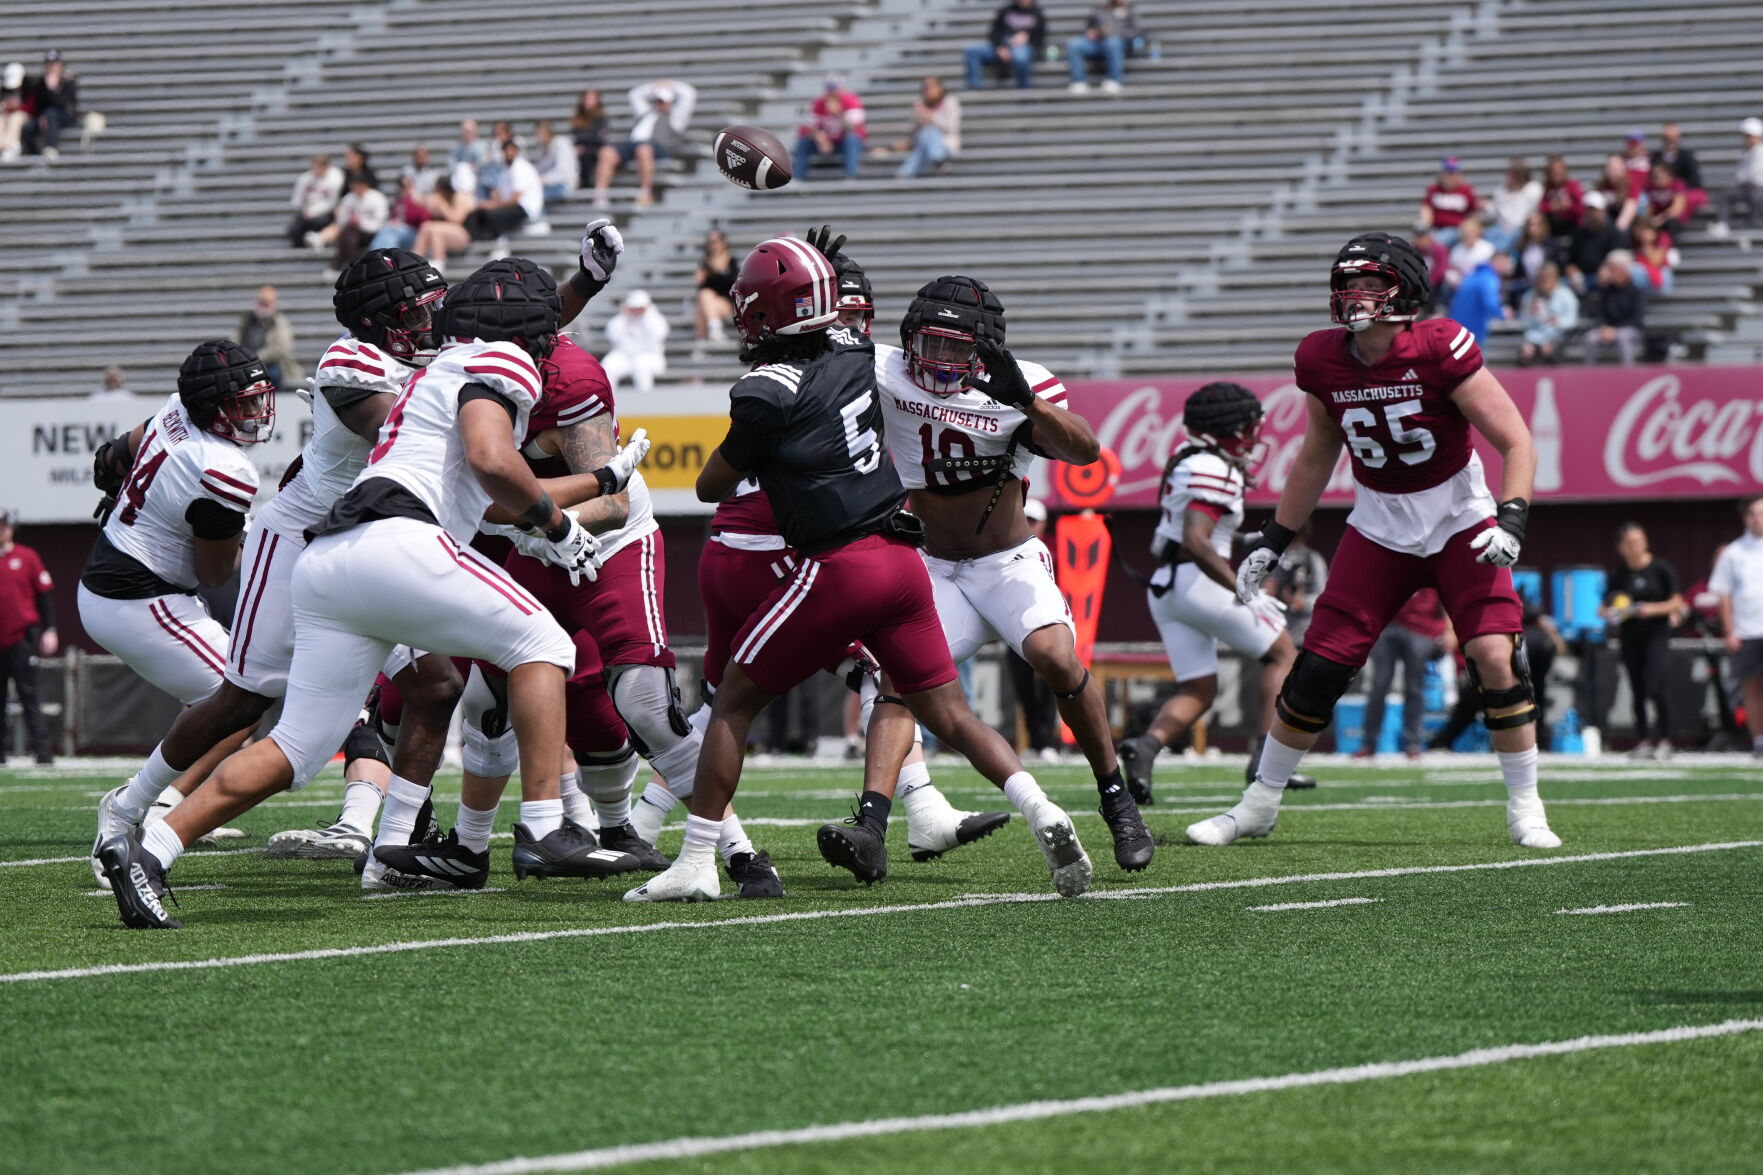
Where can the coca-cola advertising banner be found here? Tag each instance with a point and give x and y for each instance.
(1602, 434)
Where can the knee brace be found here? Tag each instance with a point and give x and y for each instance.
(1074, 695)
(607, 775)
(364, 743)
(1307, 700)
(1523, 694)
(490, 748)
(647, 698)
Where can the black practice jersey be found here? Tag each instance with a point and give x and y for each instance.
(811, 432)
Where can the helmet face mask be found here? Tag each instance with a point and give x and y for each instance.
(1377, 278)
(225, 390)
(247, 418)
(941, 328)
(1364, 296)
(415, 340)
(389, 297)
(940, 360)
(1227, 418)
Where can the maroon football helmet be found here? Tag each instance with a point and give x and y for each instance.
(785, 287)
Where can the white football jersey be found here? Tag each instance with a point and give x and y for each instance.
(1207, 481)
(420, 447)
(926, 429)
(177, 463)
(334, 456)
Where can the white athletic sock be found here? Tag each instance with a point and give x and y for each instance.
(541, 817)
(163, 843)
(398, 819)
(1519, 769)
(656, 794)
(917, 794)
(575, 801)
(1022, 790)
(1277, 764)
(678, 764)
(144, 787)
(732, 838)
(474, 827)
(609, 787)
(361, 803)
(702, 835)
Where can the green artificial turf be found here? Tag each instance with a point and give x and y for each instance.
(390, 1062)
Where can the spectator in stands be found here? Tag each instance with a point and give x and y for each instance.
(518, 201)
(315, 198)
(1477, 301)
(936, 130)
(1684, 165)
(444, 231)
(638, 334)
(1644, 603)
(1512, 205)
(587, 130)
(1738, 579)
(662, 110)
(1655, 259)
(115, 386)
(1447, 202)
(1637, 160)
(835, 127)
(1590, 243)
(490, 174)
(355, 159)
(1415, 637)
(1109, 33)
(12, 111)
(361, 213)
(27, 630)
(267, 331)
(1563, 199)
(1017, 39)
(1620, 321)
(470, 156)
(717, 268)
(53, 104)
(1438, 258)
(1550, 314)
(1535, 249)
(409, 211)
(421, 173)
(1621, 202)
(1747, 182)
(555, 161)
(1665, 202)
(1470, 251)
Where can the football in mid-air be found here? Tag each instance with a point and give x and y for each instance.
(752, 157)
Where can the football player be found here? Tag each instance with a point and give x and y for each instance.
(805, 422)
(1403, 397)
(1192, 596)
(388, 565)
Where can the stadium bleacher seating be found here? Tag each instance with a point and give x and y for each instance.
(1182, 225)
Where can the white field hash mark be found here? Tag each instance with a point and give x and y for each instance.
(392, 948)
(690, 1148)
(1623, 909)
(1312, 905)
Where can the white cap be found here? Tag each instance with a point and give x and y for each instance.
(13, 76)
(638, 300)
(1035, 510)
(1596, 200)
(1751, 126)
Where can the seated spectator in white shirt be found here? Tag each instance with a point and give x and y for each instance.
(1747, 182)
(315, 198)
(420, 171)
(555, 160)
(519, 199)
(638, 334)
(1550, 313)
(1512, 205)
(662, 110)
(361, 213)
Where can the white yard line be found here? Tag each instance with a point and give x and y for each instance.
(1312, 905)
(1623, 909)
(693, 1148)
(87, 857)
(853, 912)
(104, 893)
(430, 893)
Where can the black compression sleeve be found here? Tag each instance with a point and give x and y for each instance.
(472, 392)
(343, 395)
(210, 520)
(46, 609)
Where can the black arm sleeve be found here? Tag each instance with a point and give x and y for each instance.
(340, 396)
(471, 392)
(46, 609)
(210, 520)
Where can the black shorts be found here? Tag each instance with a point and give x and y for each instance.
(1748, 661)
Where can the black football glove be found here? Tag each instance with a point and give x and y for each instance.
(1003, 380)
(110, 466)
(823, 240)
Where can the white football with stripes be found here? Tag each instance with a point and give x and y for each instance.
(752, 157)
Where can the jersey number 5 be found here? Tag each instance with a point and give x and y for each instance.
(1365, 445)
(861, 443)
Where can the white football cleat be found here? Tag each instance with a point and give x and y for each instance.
(682, 881)
(339, 842)
(1066, 858)
(930, 834)
(110, 824)
(1247, 820)
(1529, 824)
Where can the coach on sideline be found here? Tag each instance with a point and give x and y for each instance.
(27, 629)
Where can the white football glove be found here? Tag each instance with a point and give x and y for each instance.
(616, 474)
(1267, 610)
(576, 552)
(527, 542)
(1256, 566)
(1497, 546)
(307, 390)
(601, 246)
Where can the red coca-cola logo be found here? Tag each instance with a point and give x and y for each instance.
(1662, 432)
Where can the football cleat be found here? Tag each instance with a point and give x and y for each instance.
(137, 882)
(337, 842)
(931, 838)
(755, 875)
(570, 851)
(442, 864)
(1248, 820)
(1136, 757)
(110, 826)
(682, 881)
(1529, 824)
(854, 845)
(622, 838)
(1066, 858)
(427, 829)
(1133, 846)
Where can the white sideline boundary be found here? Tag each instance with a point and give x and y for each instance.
(1281, 907)
(692, 1148)
(392, 948)
(1625, 908)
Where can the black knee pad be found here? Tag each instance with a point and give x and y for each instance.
(364, 742)
(1307, 700)
(1522, 694)
(1083, 684)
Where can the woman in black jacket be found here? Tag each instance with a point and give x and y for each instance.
(1643, 601)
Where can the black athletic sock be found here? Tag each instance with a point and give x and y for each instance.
(1110, 783)
(873, 809)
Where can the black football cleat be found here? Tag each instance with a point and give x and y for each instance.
(137, 882)
(571, 851)
(1133, 846)
(427, 829)
(437, 864)
(1136, 757)
(755, 875)
(854, 845)
(622, 838)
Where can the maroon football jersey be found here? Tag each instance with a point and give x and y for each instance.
(747, 511)
(1403, 431)
(575, 389)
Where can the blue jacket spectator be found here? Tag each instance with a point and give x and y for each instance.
(1018, 37)
(1110, 33)
(1477, 300)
